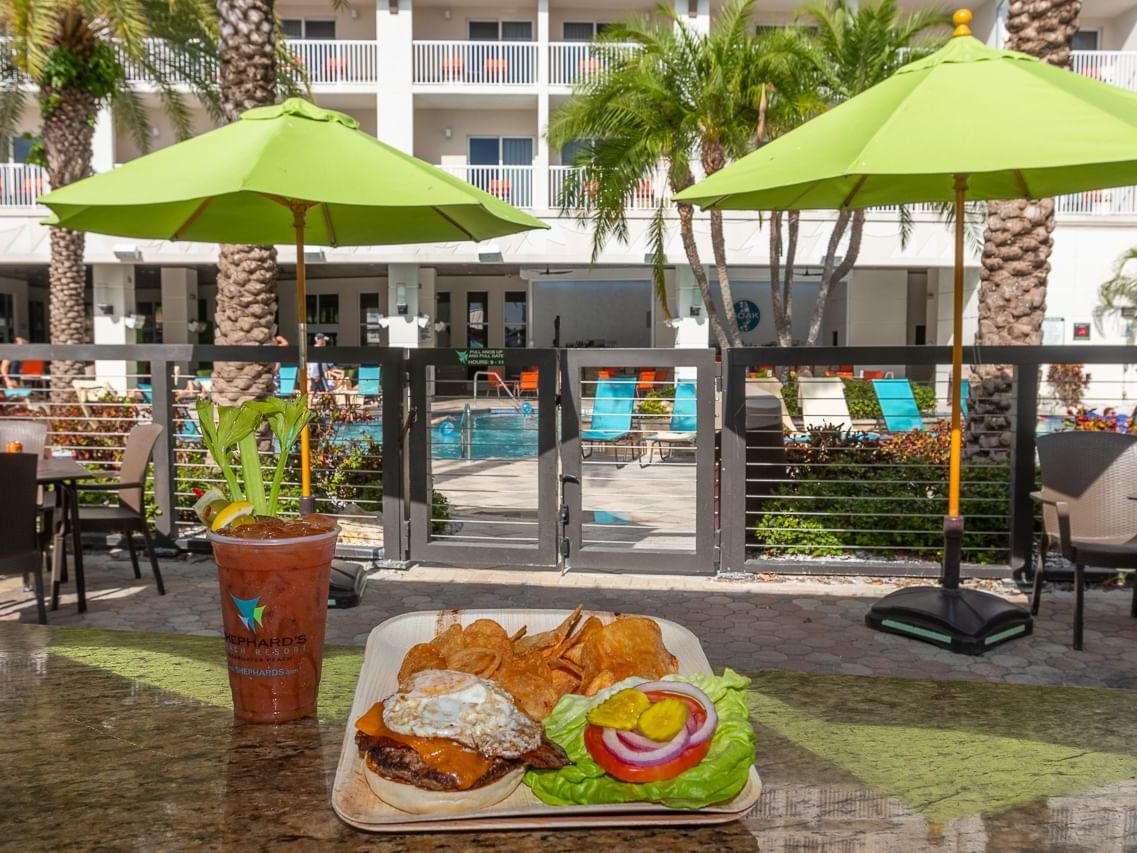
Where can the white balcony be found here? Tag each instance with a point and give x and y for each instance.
(512, 184)
(572, 61)
(1117, 67)
(647, 195)
(1118, 201)
(21, 184)
(321, 61)
(504, 64)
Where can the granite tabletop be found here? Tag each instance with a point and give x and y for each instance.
(126, 741)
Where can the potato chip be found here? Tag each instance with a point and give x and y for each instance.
(420, 657)
(487, 634)
(568, 666)
(530, 686)
(575, 647)
(632, 645)
(564, 681)
(449, 641)
(598, 682)
(481, 662)
(548, 640)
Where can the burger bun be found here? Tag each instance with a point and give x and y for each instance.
(408, 798)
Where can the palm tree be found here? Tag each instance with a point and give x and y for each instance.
(680, 95)
(852, 47)
(1119, 293)
(1017, 246)
(74, 53)
(246, 275)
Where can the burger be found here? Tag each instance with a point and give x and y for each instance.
(450, 742)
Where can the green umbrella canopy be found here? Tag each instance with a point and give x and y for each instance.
(1015, 126)
(230, 185)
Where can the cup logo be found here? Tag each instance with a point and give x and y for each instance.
(249, 613)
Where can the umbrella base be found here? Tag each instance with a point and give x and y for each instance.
(965, 621)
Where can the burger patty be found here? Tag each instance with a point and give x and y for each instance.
(400, 763)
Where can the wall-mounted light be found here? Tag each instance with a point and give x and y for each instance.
(674, 322)
(441, 326)
(127, 253)
(105, 308)
(446, 14)
(134, 321)
(696, 310)
(447, 132)
(314, 256)
(195, 326)
(400, 299)
(423, 320)
(490, 253)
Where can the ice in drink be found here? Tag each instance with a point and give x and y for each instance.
(273, 574)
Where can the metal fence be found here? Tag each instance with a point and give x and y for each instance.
(832, 459)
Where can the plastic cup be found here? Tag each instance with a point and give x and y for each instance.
(274, 605)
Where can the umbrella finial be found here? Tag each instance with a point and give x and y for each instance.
(961, 18)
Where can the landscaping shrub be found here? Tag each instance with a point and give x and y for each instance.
(798, 536)
(885, 498)
(1069, 383)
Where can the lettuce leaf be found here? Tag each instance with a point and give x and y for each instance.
(717, 778)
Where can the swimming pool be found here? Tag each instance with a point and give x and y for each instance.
(493, 435)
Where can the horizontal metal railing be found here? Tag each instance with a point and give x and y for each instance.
(474, 63)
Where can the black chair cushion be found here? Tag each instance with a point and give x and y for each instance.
(1106, 553)
(110, 518)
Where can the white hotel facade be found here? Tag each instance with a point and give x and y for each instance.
(471, 87)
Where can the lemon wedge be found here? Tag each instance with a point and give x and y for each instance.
(235, 510)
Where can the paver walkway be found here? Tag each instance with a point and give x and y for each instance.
(792, 625)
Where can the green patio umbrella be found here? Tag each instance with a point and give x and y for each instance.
(287, 173)
(961, 123)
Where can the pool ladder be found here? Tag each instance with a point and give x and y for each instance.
(466, 434)
(501, 387)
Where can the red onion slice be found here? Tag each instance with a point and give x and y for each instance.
(641, 743)
(648, 757)
(682, 688)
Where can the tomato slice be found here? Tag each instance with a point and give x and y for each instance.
(613, 766)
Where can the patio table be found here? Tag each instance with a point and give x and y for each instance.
(65, 473)
(126, 741)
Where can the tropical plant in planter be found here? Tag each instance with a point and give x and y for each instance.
(272, 572)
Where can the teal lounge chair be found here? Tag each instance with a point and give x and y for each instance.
(611, 415)
(369, 382)
(683, 424)
(286, 381)
(898, 405)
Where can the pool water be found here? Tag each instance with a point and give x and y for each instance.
(494, 435)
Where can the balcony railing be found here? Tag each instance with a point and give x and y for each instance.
(570, 62)
(21, 184)
(1119, 201)
(322, 61)
(475, 63)
(1117, 67)
(512, 184)
(646, 195)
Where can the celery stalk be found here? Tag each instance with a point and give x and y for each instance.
(251, 468)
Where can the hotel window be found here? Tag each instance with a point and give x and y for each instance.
(495, 155)
(370, 332)
(1086, 40)
(309, 28)
(583, 30)
(323, 316)
(477, 320)
(516, 318)
(499, 30)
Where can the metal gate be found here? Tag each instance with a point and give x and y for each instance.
(483, 457)
(638, 480)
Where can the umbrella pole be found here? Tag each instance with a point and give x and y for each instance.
(953, 522)
(299, 214)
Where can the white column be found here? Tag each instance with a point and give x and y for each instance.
(102, 144)
(701, 21)
(402, 287)
(426, 280)
(179, 307)
(394, 101)
(541, 147)
(114, 287)
(694, 332)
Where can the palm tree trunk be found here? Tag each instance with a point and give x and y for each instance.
(68, 130)
(714, 158)
(246, 275)
(1016, 248)
(833, 272)
(781, 281)
(687, 232)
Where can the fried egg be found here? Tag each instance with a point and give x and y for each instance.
(477, 713)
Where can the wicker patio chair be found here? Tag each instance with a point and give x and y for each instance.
(129, 516)
(1089, 508)
(19, 546)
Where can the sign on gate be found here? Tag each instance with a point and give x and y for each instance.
(481, 357)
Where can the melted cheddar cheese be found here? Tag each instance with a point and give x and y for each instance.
(464, 765)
